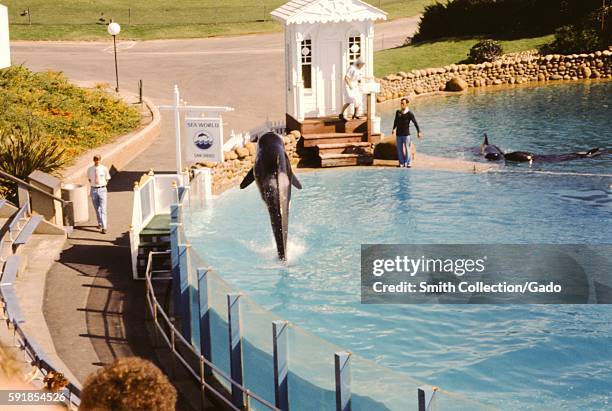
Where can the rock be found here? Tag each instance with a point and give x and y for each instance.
(556, 77)
(442, 87)
(242, 152)
(595, 74)
(456, 84)
(252, 147)
(541, 77)
(386, 149)
(497, 82)
(419, 90)
(586, 72)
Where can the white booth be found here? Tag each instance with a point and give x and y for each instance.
(322, 38)
(5, 50)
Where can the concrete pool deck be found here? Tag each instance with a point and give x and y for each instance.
(428, 162)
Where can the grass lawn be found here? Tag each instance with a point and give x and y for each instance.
(441, 53)
(155, 19)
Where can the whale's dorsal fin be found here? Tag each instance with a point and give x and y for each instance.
(248, 179)
(296, 183)
(486, 140)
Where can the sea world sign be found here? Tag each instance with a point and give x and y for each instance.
(203, 139)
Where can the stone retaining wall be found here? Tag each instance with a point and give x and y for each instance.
(239, 161)
(511, 69)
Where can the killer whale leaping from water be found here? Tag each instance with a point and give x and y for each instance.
(274, 177)
(493, 153)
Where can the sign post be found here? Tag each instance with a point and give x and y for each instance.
(177, 129)
(203, 133)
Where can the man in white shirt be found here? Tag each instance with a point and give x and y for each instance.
(352, 93)
(98, 176)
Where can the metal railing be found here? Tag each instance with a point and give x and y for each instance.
(12, 314)
(173, 337)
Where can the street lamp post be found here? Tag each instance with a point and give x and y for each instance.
(113, 30)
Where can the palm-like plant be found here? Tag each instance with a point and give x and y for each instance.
(24, 151)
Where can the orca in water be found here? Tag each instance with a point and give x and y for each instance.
(493, 153)
(490, 151)
(274, 177)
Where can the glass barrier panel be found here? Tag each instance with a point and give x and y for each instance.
(446, 401)
(219, 330)
(375, 387)
(311, 377)
(257, 350)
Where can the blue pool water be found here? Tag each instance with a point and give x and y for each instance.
(515, 357)
(552, 119)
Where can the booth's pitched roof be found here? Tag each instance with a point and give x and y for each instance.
(324, 11)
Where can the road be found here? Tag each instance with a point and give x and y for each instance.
(244, 72)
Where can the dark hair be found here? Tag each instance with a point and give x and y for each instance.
(405, 99)
(129, 383)
(97, 157)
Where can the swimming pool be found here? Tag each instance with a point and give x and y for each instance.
(507, 355)
(515, 357)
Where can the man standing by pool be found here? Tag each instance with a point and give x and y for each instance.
(98, 176)
(401, 129)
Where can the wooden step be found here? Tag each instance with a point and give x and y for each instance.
(311, 140)
(345, 148)
(339, 160)
(332, 125)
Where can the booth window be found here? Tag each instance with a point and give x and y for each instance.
(306, 53)
(354, 48)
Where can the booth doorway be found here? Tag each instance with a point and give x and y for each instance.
(331, 70)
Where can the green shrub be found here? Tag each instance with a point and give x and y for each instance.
(573, 39)
(485, 50)
(590, 34)
(77, 119)
(507, 18)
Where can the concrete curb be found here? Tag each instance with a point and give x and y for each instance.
(119, 153)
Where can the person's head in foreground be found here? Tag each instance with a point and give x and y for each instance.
(97, 159)
(359, 63)
(404, 103)
(129, 383)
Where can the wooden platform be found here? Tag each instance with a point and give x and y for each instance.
(332, 142)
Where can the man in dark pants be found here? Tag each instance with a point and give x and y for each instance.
(401, 129)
